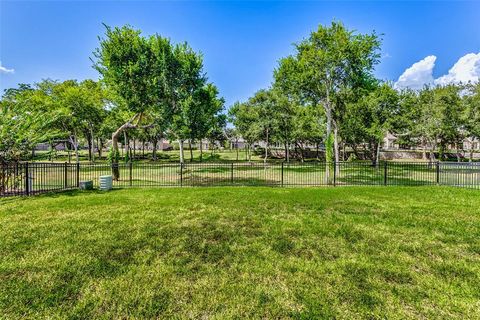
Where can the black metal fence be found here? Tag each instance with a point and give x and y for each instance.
(35, 178)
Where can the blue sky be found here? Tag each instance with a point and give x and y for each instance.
(241, 41)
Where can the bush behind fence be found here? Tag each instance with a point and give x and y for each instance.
(36, 178)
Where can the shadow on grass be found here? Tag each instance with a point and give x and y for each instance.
(306, 168)
(221, 181)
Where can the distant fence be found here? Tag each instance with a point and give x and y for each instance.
(35, 178)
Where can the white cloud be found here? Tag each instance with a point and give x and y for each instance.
(418, 75)
(466, 69)
(5, 70)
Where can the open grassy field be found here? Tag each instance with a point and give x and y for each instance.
(347, 253)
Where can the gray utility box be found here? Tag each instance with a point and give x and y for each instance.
(86, 185)
(106, 183)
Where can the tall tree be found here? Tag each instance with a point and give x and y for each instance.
(369, 119)
(244, 118)
(472, 115)
(139, 71)
(263, 104)
(22, 124)
(332, 60)
(188, 79)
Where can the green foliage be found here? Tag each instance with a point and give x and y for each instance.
(371, 117)
(472, 111)
(133, 67)
(24, 122)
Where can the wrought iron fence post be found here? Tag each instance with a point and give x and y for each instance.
(385, 171)
(181, 174)
(27, 184)
(334, 173)
(65, 175)
(78, 174)
(437, 172)
(130, 169)
(282, 173)
(231, 174)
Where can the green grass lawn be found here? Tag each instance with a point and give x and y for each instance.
(239, 252)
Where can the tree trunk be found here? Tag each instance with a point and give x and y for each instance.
(328, 137)
(191, 151)
(134, 148)
(73, 140)
(377, 155)
(89, 145)
(100, 147)
(154, 152)
(424, 150)
(335, 147)
(93, 144)
(126, 146)
(287, 154)
(432, 154)
(115, 136)
(180, 145)
(201, 150)
(236, 148)
(458, 152)
(266, 151)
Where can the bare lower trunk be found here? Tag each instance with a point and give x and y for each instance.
(424, 150)
(377, 155)
(180, 145)
(432, 154)
(287, 152)
(93, 144)
(126, 142)
(191, 151)
(89, 145)
(73, 140)
(134, 148)
(115, 136)
(328, 134)
(266, 151)
(236, 148)
(335, 147)
(201, 150)
(100, 147)
(154, 152)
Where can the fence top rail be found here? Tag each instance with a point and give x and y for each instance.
(253, 163)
